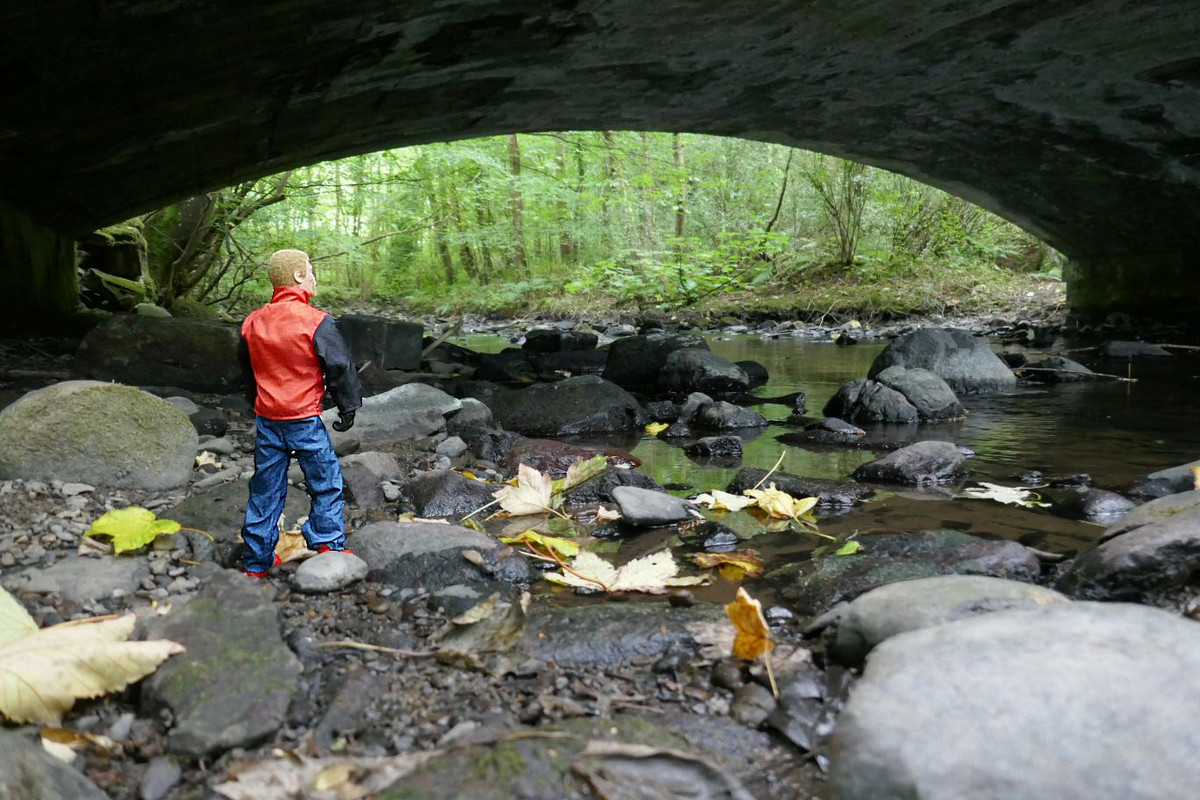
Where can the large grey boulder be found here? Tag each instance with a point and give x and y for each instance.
(1077, 701)
(964, 362)
(580, 405)
(698, 369)
(1153, 549)
(931, 396)
(862, 400)
(431, 555)
(103, 434)
(403, 414)
(636, 362)
(28, 772)
(920, 464)
(232, 686)
(882, 613)
(150, 351)
(386, 343)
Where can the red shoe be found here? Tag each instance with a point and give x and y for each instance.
(250, 574)
(324, 548)
(278, 561)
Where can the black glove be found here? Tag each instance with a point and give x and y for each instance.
(345, 421)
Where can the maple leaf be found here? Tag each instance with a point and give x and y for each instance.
(131, 528)
(753, 636)
(734, 565)
(531, 495)
(779, 504)
(651, 574)
(558, 544)
(655, 428)
(43, 672)
(724, 501)
(1009, 495)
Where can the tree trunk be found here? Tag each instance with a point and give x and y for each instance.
(566, 242)
(681, 186)
(518, 207)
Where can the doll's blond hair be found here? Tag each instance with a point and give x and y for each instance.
(284, 265)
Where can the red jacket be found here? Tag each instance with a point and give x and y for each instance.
(293, 352)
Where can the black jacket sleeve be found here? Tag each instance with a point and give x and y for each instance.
(249, 384)
(341, 379)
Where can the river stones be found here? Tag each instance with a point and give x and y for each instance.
(575, 406)
(698, 369)
(636, 362)
(1172, 480)
(28, 772)
(232, 686)
(931, 396)
(433, 556)
(920, 464)
(829, 493)
(720, 415)
(103, 434)
(881, 613)
(363, 475)
(1077, 701)
(965, 363)
(612, 634)
(81, 579)
(812, 587)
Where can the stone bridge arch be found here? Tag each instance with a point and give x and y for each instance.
(1078, 120)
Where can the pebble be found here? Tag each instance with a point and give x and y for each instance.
(161, 776)
(73, 489)
(752, 704)
(120, 729)
(391, 492)
(728, 675)
(7, 560)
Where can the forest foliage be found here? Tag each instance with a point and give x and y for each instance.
(587, 220)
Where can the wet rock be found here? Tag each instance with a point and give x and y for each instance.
(346, 714)
(146, 351)
(829, 493)
(328, 572)
(863, 400)
(473, 412)
(613, 633)
(636, 362)
(931, 396)
(813, 587)
(805, 713)
(430, 555)
(920, 464)
(451, 447)
(712, 537)
(1031, 689)
(871, 618)
(571, 362)
(553, 340)
(232, 686)
(681, 426)
(752, 704)
(647, 508)
(406, 413)
(1058, 369)
(722, 416)
(1096, 505)
(1117, 349)
(82, 579)
(723, 447)
(555, 458)
(454, 600)
(1153, 549)
(600, 488)
(965, 363)
(698, 369)
(575, 406)
(363, 475)
(1165, 481)
(386, 343)
(161, 776)
(101, 434)
(28, 772)
(827, 431)
(209, 422)
(444, 493)
(757, 374)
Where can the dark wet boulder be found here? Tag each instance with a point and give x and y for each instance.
(232, 686)
(555, 458)
(1164, 482)
(712, 537)
(964, 362)
(698, 369)
(723, 416)
(1058, 369)
(813, 587)
(920, 464)
(863, 400)
(29, 772)
(720, 447)
(582, 405)
(756, 373)
(385, 343)
(636, 362)
(363, 475)
(1118, 349)
(826, 431)
(854, 629)
(1057, 698)
(507, 367)
(648, 508)
(1154, 549)
(151, 351)
(933, 398)
(444, 493)
(610, 634)
(1095, 505)
(681, 426)
(431, 556)
(600, 488)
(555, 340)
(571, 362)
(829, 493)
(209, 421)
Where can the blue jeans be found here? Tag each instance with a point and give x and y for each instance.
(274, 444)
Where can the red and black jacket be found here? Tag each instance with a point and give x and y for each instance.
(291, 352)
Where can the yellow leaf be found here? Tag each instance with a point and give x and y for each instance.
(724, 501)
(581, 471)
(531, 495)
(292, 547)
(43, 672)
(779, 504)
(655, 428)
(744, 560)
(564, 547)
(131, 528)
(753, 636)
(206, 457)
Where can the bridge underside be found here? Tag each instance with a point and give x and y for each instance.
(1079, 121)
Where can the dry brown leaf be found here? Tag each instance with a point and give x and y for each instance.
(744, 562)
(753, 636)
(780, 504)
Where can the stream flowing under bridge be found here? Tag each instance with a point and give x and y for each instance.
(1077, 119)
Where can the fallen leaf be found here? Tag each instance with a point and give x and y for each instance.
(849, 548)
(779, 504)
(564, 547)
(581, 471)
(744, 561)
(131, 528)
(655, 428)
(1009, 495)
(753, 636)
(605, 515)
(333, 777)
(651, 574)
(77, 740)
(43, 672)
(724, 501)
(206, 457)
(292, 547)
(408, 516)
(473, 524)
(531, 495)
(294, 776)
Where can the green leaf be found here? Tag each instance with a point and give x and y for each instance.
(131, 528)
(564, 547)
(581, 472)
(849, 548)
